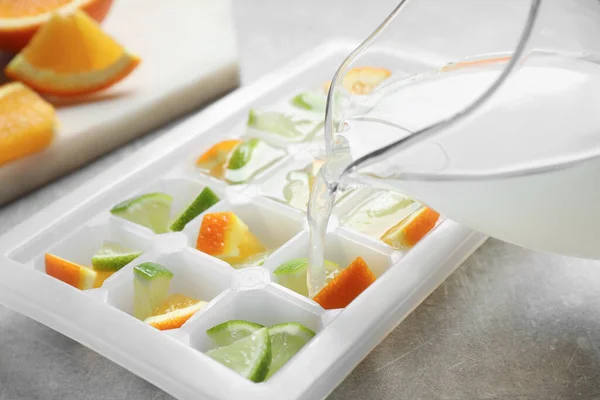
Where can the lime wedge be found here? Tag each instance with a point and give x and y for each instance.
(113, 257)
(242, 154)
(151, 284)
(292, 274)
(286, 340)
(276, 122)
(310, 101)
(151, 210)
(228, 332)
(250, 357)
(206, 199)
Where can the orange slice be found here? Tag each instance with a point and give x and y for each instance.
(411, 229)
(214, 159)
(27, 122)
(221, 234)
(345, 287)
(70, 56)
(101, 276)
(225, 236)
(19, 20)
(249, 247)
(70, 273)
(174, 312)
(362, 80)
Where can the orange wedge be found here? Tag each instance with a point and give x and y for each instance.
(249, 247)
(225, 236)
(214, 159)
(362, 80)
(19, 20)
(70, 273)
(411, 229)
(174, 312)
(71, 56)
(221, 234)
(345, 287)
(101, 276)
(27, 122)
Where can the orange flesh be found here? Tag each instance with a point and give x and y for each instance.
(172, 323)
(25, 8)
(14, 37)
(249, 247)
(420, 226)
(214, 159)
(362, 80)
(70, 55)
(218, 153)
(211, 239)
(411, 230)
(26, 122)
(346, 286)
(174, 302)
(171, 314)
(101, 276)
(71, 44)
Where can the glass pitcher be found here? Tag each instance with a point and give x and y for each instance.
(496, 125)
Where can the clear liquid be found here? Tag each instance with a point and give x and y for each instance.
(320, 204)
(545, 113)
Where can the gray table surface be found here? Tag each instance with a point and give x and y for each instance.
(508, 324)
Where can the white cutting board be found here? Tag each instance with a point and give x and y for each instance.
(189, 57)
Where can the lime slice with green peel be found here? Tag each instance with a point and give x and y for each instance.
(242, 154)
(286, 340)
(279, 123)
(250, 357)
(113, 257)
(151, 210)
(231, 331)
(292, 274)
(206, 199)
(310, 101)
(151, 288)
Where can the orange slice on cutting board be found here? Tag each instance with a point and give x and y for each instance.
(20, 20)
(27, 122)
(70, 56)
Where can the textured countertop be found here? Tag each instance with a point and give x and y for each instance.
(508, 324)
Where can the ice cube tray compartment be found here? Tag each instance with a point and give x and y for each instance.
(273, 225)
(266, 306)
(75, 227)
(194, 275)
(340, 248)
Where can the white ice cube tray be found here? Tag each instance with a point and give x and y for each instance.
(75, 227)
